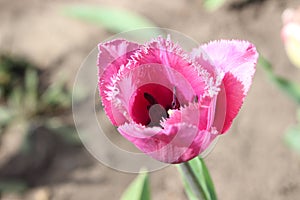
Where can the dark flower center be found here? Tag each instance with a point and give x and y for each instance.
(151, 102)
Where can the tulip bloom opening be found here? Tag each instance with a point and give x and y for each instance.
(171, 104)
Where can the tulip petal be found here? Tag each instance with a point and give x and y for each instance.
(173, 58)
(112, 56)
(200, 115)
(233, 89)
(237, 59)
(173, 144)
(208, 71)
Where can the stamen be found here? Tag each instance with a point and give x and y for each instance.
(195, 99)
(174, 102)
(150, 98)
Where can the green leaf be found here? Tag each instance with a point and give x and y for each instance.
(6, 115)
(5, 76)
(31, 90)
(212, 5)
(292, 138)
(138, 189)
(57, 95)
(15, 99)
(290, 88)
(1, 92)
(197, 181)
(16, 186)
(114, 19)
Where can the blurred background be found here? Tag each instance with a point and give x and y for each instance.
(42, 45)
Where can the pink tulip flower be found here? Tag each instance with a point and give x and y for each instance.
(171, 104)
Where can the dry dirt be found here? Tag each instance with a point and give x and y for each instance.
(249, 162)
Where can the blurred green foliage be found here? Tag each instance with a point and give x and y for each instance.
(212, 5)
(14, 186)
(26, 96)
(111, 18)
(292, 138)
(292, 89)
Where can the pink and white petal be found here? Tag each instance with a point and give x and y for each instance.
(237, 57)
(203, 63)
(220, 110)
(173, 144)
(112, 56)
(186, 114)
(201, 144)
(131, 89)
(172, 58)
(211, 75)
(201, 114)
(234, 100)
(116, 51)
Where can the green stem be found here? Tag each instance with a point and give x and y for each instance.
(197, 181)
(192, 181)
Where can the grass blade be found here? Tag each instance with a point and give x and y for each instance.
(292, 138)
(212, 5)
(290, 88)
(114, 19)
